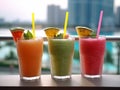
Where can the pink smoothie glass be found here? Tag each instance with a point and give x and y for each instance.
(92, 52)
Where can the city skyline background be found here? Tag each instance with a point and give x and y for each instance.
(21, 10)
(86, 12)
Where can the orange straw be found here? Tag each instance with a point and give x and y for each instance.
(65, 24)
(33, 25)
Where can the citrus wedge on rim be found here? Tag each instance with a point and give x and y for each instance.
(83, 31)
(51, 32)
(17, 33)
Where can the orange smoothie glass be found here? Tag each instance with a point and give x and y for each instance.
(30, 58)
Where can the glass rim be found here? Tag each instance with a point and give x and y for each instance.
(94, 37)
(36, 38)
(69, 38)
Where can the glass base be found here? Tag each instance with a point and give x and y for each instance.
(91, 76)
(30, 78)
(61, 77)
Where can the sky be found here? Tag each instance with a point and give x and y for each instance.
(22, 9)
(13, 9)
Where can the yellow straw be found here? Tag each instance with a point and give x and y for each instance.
(65, 24)
(33, 25)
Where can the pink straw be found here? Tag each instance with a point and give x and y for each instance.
(100, 21)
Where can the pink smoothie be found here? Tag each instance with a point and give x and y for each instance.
(92, 52)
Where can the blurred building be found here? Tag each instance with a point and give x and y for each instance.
(86, 12)
(109, 17)
(79, 11)
(118, 17)
(55, 15)
(2, 20)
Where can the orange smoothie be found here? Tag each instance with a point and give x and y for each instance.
(30, 57)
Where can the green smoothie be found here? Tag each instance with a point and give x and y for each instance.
(61, 54)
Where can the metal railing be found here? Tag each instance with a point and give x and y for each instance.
(108, 38)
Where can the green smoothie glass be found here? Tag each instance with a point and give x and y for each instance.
(61, 53)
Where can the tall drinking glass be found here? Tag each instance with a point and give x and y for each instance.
(92, 52)
(61, 53)
(30, 58)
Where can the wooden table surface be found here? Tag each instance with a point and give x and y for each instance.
(76, 80)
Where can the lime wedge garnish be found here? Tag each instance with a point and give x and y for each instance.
(28, 35)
